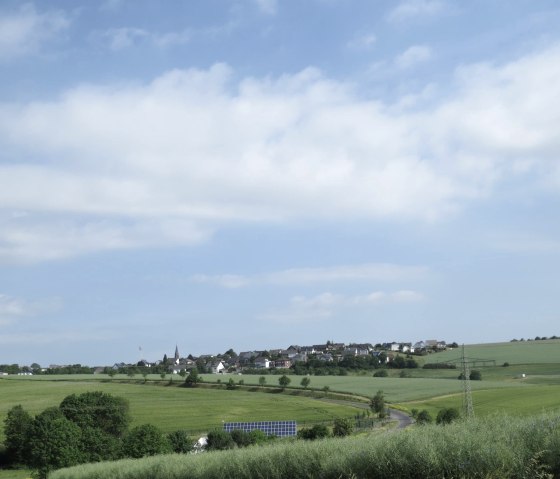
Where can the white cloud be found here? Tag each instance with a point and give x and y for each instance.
(414, 9)
(25, 31)
(362, 272)
(191, 151)
(413, 56)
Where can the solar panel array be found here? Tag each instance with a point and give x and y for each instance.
(276, 428)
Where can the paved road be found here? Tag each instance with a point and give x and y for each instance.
(404, 420)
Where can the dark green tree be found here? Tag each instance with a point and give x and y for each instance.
(377, 404)
(179, 441)
(193, 378)
(96, 409)
(97, 445)
(424, 417)
(318, 431)
(447, 415)
(218, 439)
(144, 440)
(262, 381)
(305, 382)
(342, 427)
(17, 427)
(54, 442)
(284, 381)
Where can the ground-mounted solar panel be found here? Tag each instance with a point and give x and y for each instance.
(270, 428)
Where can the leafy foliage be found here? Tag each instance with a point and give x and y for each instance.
(144, 440)
(447, 415)
(318, 431)
(342, 427)
(17, 427)
(179, 441)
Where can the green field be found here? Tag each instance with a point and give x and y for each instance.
(170, 408)
(519, 352)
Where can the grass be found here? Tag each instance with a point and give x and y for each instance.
(15, 473)
(171, 408)
(498, 447)
(524, 401)
(519, 352)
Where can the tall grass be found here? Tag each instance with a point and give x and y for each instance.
(492, 448)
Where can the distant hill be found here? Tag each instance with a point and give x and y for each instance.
(517, 352)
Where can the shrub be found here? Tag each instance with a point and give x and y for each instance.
(318, 431)
(18, 423)
(179, 441)
(382, 373)
(218, 439)
(342, 427)
(144, 440)
(447, 415)
(424, 417)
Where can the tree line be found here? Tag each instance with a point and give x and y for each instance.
(89, 427)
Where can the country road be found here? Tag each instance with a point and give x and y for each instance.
(404, 420)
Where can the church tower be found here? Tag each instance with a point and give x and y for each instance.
(176, 354)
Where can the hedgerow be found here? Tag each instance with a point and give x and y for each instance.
(491, 448)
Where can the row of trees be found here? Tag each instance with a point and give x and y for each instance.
(89, 427)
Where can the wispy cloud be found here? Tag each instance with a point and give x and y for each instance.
(414, 9)
(327, 305)
(362, 41)
(12, 308)
(25, 31)
(361, 272)
(123, 38)
(413, 56)
(269, 7)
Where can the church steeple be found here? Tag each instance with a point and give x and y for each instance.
(176, 354)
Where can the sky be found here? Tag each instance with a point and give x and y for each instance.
(252, 174)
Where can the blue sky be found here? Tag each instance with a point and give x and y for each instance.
(258, 173)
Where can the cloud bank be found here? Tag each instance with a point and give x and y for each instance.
(170, 161)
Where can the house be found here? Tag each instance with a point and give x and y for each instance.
(215, 367)
(262, 362)
(282, 363)
(327, 357)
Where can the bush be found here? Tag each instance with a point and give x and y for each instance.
(342, 427)
(179, 441)
(447, 415)
(318, 431)
(144, 440)
(424, 417)
(218, 439)
(382, 373)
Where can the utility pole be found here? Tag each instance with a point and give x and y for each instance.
(467, 395)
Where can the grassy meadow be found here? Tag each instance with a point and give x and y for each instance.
(171, 408)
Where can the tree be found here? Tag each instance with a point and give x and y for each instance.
(99, 410)
(284, 381)
(241, 438)
(342, 427)
(424, 417)
(112, 373)
(144, 440)
(17, 426)
(231, 384)
(262, 381)
(377, 404)
(97, 445)
(53, 442)
(382, 373)
(447, 415)
(193, 378)
(179, 441)
(305, 382)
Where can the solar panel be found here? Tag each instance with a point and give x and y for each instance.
(276, 428)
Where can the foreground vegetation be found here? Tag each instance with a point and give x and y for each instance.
(496, 447)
